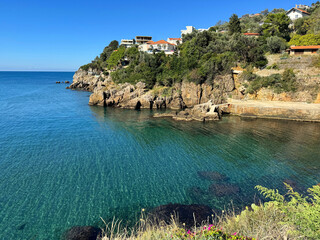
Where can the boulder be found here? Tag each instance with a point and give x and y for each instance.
(97, 98)
(223, 189)
(187, 214)
(82, 233)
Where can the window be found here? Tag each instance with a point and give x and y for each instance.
(297, 16)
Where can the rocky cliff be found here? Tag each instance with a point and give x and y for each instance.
(180, 96)
(200, 102)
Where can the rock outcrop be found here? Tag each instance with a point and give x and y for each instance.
(200, 102)
(88, 80)
(189, 215)
(180, 96)
(82, 233)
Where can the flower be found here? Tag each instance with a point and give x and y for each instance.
(142, 209)
(235, 233)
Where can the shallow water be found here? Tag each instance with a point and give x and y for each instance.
(64, 163)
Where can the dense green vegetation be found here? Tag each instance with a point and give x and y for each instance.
(305, 40)
(201, 59)
(285, 82)
(204, 55)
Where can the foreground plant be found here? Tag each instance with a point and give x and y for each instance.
(207, 232)
(301, 212)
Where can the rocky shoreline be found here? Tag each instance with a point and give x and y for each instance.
(196, 102)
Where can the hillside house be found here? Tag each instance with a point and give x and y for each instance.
(162, 45)
(127, 42)
(304, 50)
(296, 13)
(146, 46)
(174, 41)
(189, 30)
(143, 39)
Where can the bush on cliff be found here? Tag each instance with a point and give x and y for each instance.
(202, 57)
(285, 82)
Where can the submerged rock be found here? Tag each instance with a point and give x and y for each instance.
(224, 189)
(187, 214)
(212, 176)
(167, 114)
(82, 233)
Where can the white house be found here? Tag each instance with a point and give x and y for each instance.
(146, 46)
(203, 29)
(296, 13)
(127, 42)
(174, 41)
(162, 45)
(189, 30)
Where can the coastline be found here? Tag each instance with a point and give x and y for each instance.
(296, 111)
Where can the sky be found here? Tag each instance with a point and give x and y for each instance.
(60, 35)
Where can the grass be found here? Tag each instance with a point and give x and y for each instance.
(290, 216)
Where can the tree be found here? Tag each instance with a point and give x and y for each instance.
(278, 10)
(305, 40)
(300, 27)
(276, 44)
(234, 25)
(277, 24)
(312, 23)
(114, 44)
(265, 12)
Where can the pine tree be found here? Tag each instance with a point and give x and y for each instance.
(234, 25)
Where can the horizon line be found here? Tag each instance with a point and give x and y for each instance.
(38, 70)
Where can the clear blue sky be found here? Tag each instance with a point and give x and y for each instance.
(62, 35)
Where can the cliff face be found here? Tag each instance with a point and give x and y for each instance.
(203, 102)
(88, 80)
(180, 96)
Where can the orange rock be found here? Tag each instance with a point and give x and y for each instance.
(318, 99)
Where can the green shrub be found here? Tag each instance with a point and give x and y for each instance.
(305, 40)
(273, 66)
(301, 212)
(279, 83)
(276, 44)
(206, 233)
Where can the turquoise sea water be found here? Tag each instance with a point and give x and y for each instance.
(64, 163)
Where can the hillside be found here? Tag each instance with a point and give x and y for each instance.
(211, 66)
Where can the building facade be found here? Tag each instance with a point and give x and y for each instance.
(127, 42)
(162, 45)
(143, 39)
(296, 13)
(174, 41)
(304, 50)
(189, 30)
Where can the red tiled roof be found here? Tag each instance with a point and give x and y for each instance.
(161, 42)
(179, 39)
(302, 11)
(150, 42)
(252, 34)
(306, 47)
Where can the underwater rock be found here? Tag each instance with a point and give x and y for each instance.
(21, 227)
(212, 176)
(187, 214)
(223, 189)
(82, 233)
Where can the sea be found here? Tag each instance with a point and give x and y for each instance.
(64, 163)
